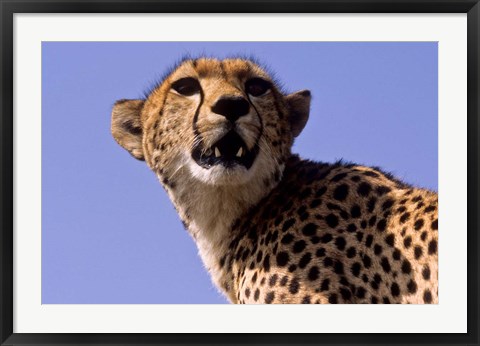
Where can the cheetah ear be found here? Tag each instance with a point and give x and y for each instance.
(127, 126)
(299, 106)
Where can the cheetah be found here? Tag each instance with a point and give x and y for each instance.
(271, 227)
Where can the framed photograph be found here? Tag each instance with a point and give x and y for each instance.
(260, 172)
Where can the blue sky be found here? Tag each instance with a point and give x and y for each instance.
(109, 231)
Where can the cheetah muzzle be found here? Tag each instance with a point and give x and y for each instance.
(272, 227)
(229, 151)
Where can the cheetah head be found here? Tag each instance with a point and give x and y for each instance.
(223, 121)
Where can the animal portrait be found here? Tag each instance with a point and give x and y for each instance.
(272, 226)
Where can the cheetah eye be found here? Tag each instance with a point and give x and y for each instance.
(186, 86)
(257, 86)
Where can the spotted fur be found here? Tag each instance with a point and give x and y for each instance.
(283, 230)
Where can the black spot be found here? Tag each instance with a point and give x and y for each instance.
(390, 239)
(306, 300)
(269, 297)
(305, 260)
(282, 259)
(367, 261)
(427, 296)
(430, 208)
(371, 204)
(284, 281)
(325, 285)
(381, 190)
(363, 224)
(292, 268)
(339, 177)
(305, 193)
(351, 252)
(377, 249)
(278, 220)
(387, 204)
(315, 239)
(435, 224)
(374, 300)
(412, 286)
(360, 292)
(346, 294)
(381, 225)
(406, 266)
(313, 273)
(359, 236)
(426, 272)
(299, 246)
(254, 277)
(377, 278)
(331, 220)
(432, 247)
(417, 199)
(247, 292)
(364, 278)
(371, 174)
(259, 256)
(287, 238)
(266, 263)
(338, 267)
(395, 290)
(309, 230)
(404, 217)
(396, 254)
(355, 211)
(320, 252)
(407, 242)
(374, 285)
(364, 189)
(320, 191)
(386, 300)
(315, 203)
(423, 236)
(418, 224)
(273, 280)
(369, 240)
(327, 262)
(385, 265)
(418, 252)
(340, 243)
(351, 228)
(294, 286)
(301, 210)
(343, 281)
(326, 238)
(356, 269)
(355, 178)
(341, 192)
(333, 299)
(372, 221)
(257, 294)
(222, 262)
(287, 224)
(401, 209)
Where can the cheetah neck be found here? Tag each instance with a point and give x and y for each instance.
(208, 212)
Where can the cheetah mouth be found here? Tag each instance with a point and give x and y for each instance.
(229, 151)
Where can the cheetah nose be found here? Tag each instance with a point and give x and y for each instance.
(232, 107)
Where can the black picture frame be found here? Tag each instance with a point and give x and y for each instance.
(9, 7)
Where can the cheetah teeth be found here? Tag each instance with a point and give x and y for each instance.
(217, 152)
(240, 152)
